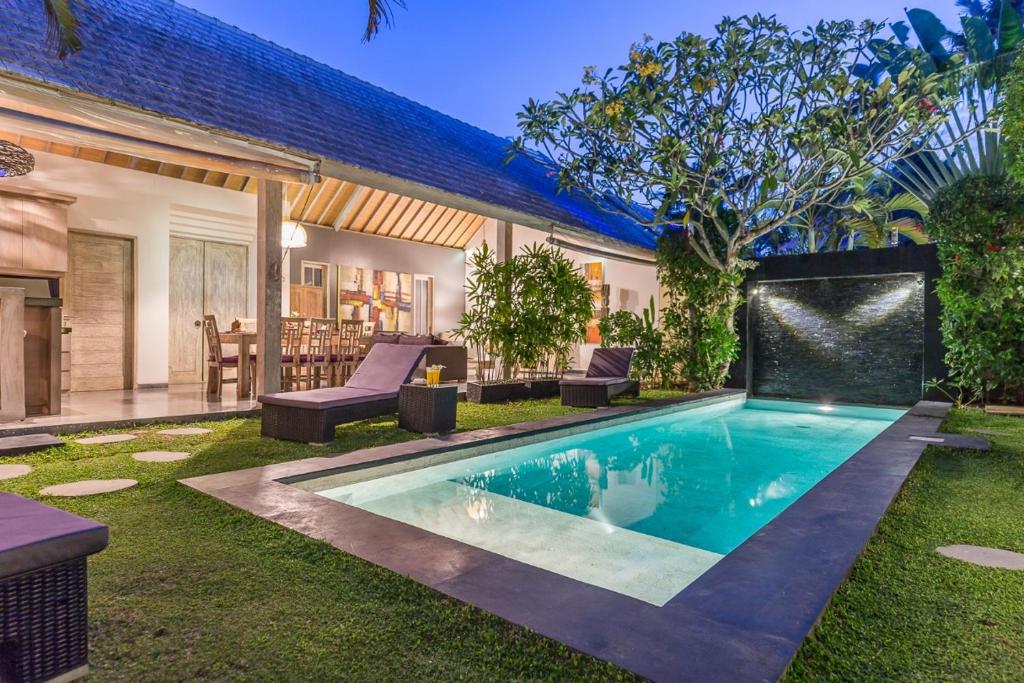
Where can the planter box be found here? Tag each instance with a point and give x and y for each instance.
(497, 392)
(542, 388)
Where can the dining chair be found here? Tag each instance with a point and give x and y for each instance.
(217, 362)
(350, 350)
(293, 332)
(321, 351)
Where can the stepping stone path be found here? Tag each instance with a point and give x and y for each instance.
(12, 471)
(161, 456)
(185, 431)
(106, 438)
(26, 443)
(88, 487)
(984, 557)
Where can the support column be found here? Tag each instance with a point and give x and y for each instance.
(503, 254)
(270, 197)
(12, 354)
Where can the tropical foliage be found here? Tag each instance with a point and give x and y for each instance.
(1013, 119)
(733, 135)
(699, 314)
(979, 225)
(651, 364)
(524, 314)
(974, 67)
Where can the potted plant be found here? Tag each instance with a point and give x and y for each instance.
(487, 326)
(555, 304)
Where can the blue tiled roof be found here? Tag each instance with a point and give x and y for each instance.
(168, 59)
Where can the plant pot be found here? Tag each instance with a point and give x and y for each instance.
(542, 388)
(496, 392)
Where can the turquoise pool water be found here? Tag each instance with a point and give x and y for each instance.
(672, 493)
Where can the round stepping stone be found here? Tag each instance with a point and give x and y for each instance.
(184, 431)
(106, 438)
(984, 557)
(88, 487)
(161, 456)
(12, 471)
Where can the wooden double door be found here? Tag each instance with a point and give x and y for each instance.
(206, 278)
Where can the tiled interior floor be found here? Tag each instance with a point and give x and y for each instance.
(97, 409)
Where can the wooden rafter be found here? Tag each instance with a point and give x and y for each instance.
(330, 203)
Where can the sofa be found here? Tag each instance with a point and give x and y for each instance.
(439, 352)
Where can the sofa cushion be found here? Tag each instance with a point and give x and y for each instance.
(385, 338)
(416, 339)
(594, 381)
(36, 535)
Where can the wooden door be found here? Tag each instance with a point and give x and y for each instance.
(98, 298)
(206, 278)
(185, 338)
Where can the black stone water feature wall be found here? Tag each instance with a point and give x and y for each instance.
(856, 339)
(855, 327)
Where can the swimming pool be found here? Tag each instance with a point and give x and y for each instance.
(641, 507)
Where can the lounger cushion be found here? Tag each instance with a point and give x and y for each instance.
(610, 362)
(325, 399)
(36, 535)
(387, 367)
(594, 381)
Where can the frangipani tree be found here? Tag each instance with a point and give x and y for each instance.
(734, 135)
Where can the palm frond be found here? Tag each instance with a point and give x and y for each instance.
(381, 13)
(62, 27)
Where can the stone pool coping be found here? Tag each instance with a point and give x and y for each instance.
(743, 620)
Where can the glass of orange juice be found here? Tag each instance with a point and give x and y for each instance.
(434, 375)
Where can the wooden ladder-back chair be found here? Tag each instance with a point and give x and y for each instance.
(350, 349)
(321, 351)
(216, 361)
(293, 333)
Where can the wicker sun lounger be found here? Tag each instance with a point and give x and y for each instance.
(311, 416)
(607, 377)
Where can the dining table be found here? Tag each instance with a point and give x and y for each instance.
(246, 342)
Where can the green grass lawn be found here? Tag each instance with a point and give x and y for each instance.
(191, 588)
(909, 614)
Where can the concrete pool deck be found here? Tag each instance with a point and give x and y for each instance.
(742, 620)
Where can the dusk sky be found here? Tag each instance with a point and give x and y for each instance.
(480, 61)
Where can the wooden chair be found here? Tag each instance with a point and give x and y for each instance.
(217, 361)
(293, 332)
(320, 352)
(350, 349)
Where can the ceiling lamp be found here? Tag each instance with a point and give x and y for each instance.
(293, 235)
(15, 160)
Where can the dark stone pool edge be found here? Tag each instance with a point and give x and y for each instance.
(743, 620)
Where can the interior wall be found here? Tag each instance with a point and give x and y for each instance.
(632, 284)
(147, 208)
(446, 266)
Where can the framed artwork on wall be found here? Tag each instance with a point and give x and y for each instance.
(594, 272)
(381, 298)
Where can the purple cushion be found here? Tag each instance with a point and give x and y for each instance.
(387, 367)
(594, 381)
(36, 535)
(611, 362)
(385, 338)
(323, 399)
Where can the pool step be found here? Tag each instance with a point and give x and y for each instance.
(641, 566)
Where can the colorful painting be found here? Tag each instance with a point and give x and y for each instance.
(594, 272)
(382, 298)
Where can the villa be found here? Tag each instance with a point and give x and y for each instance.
(303, 380)
(160, 167)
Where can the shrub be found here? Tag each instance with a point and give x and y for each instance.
(979, 225)
(625, 328)
(699, 318)
(525, 313)
(1013, 117)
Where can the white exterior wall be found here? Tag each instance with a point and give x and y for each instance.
(632, 284)
(150, 209)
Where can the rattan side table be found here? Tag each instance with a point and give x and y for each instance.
(427, 409)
